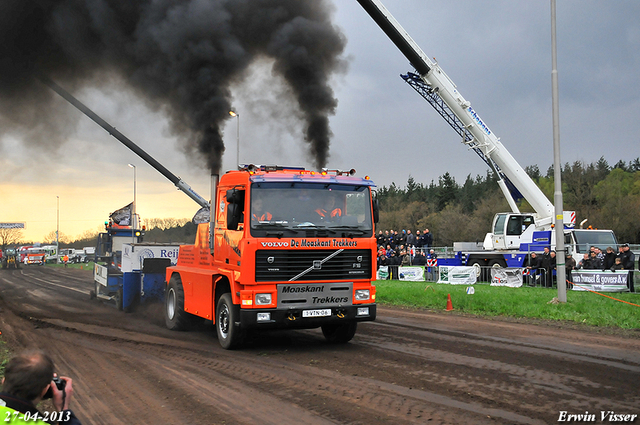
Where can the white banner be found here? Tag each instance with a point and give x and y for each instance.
(133, 255)
(596, 280)
(11, 225)
(457, 275)
(414, 274)
(382, 273)
(506, 277)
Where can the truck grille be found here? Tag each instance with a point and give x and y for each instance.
(312, 265)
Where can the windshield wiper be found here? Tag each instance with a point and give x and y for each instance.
(270, 224)
(310, 225)
(351, 229)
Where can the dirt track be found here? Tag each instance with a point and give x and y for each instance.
(406, 367)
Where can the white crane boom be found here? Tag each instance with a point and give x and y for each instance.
(478, 135)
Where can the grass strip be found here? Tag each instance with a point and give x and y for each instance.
(525, 302)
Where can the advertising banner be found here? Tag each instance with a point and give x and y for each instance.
(596, 280)
(414, 274)
(11, 225)
(506, 277)
(133, 255)
(383, 273)
(457, 275)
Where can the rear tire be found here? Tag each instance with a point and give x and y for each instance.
(119, 299)
(494, 265)
(175, 317)
(498, 264)
(341, 333)
(229, 335)
(478, 264)
(134, 304)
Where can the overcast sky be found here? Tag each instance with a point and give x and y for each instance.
(498, 53)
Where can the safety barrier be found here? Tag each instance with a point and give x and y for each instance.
(592, 279)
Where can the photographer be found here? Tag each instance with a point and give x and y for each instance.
(29, 379)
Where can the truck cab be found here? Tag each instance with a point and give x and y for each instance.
(509, 230)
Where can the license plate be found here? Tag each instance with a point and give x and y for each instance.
(316, 313)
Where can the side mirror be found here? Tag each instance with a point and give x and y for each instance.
(376, 210)
(235, 196)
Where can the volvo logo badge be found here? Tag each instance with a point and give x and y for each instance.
(359, 258)
(317, 264)
(270, 260)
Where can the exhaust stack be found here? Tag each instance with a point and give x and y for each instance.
(214, 191)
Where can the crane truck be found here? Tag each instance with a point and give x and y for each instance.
(513, 234)
(282, 248)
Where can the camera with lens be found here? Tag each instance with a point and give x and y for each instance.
(60, 383)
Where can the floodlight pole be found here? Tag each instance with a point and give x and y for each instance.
(561, 273)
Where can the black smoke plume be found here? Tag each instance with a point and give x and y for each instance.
(180, 56)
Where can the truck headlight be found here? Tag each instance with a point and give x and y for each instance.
(263, 299)
(362, 311)
(362, 294)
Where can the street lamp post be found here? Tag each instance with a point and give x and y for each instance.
(237, 117)
(133, 213)
(57, 230)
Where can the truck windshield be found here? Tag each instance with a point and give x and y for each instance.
(600, 238)
(310, 209)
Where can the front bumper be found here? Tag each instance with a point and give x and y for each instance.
(292, 318)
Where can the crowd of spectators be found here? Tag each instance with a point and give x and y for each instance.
(404, 248)
(542, 266)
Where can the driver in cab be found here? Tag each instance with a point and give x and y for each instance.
(329, 211)
(258, 212)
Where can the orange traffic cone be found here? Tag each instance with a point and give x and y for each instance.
(449, 305)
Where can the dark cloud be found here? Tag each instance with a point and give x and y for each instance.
(179, 56)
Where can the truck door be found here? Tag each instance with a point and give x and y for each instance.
(498, 231)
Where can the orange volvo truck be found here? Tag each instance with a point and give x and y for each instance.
(284, 248)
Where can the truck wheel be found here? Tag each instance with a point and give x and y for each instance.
(229, 335)
(175, 317)
(119, 299)
(497, 264)
(340, 334)
(477, 264)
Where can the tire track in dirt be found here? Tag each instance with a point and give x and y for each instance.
(407, 367)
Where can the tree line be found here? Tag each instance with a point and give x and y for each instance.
(607, 196)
